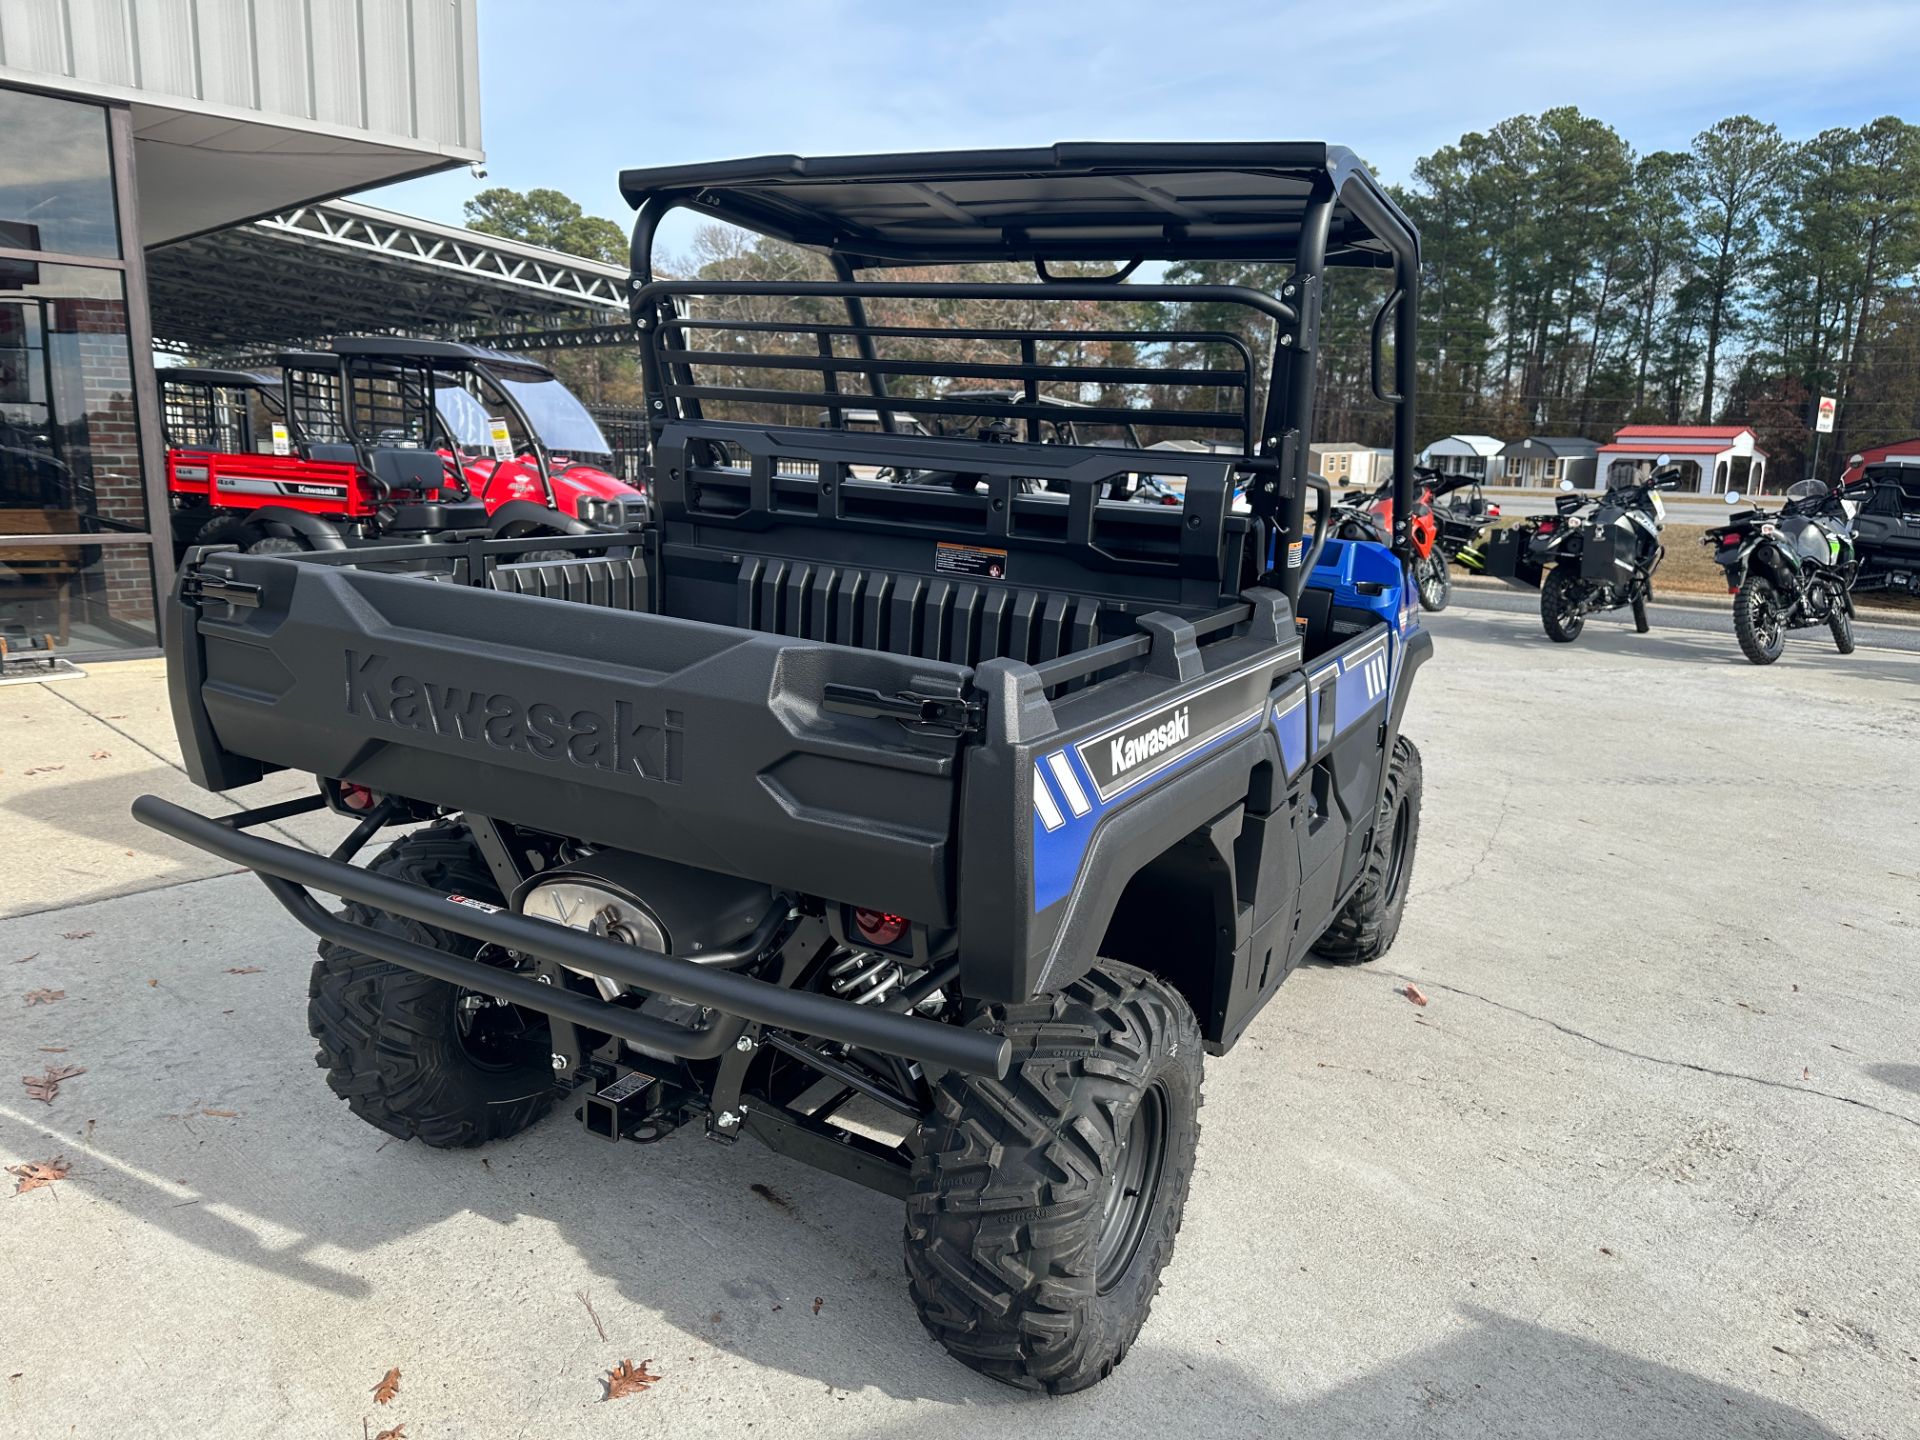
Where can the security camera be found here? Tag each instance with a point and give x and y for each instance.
(477, 170)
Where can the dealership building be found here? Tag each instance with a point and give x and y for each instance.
(133, 134)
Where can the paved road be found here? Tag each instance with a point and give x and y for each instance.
(1680, 511)
(1644, 1165)
(1814, 645)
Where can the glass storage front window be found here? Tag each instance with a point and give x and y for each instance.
(69, 434)
(85, 598)
(77, 555)
(56, 179)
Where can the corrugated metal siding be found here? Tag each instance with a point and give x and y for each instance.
(401, 70)
(33, 35)
(102, 45)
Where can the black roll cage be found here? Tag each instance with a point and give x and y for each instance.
(1285, 198)
(393, 359)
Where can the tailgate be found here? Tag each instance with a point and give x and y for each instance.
(702, 743)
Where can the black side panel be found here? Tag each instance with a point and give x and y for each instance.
(698, 743)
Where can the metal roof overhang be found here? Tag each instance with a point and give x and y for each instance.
(338, 268)
(1076, 201)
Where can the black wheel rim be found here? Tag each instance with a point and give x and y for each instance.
(1133, 1191)
(1397, 849)
(493, 1036)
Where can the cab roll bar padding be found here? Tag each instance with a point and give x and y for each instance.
(974, 1052)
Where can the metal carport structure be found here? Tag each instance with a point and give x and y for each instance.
(339, 267)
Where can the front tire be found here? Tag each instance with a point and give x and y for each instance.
(1640, 623)
(276, 545)
(1044, 1206)
(1435, 582)
(1757, 621)
(1365, 928)
(1557, 615)
(1842, 623)
(414, 1056)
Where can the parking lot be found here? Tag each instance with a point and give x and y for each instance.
(1644, 1164)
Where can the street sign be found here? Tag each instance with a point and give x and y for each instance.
(1823, 424)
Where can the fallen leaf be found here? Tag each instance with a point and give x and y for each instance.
(45, 1087)
(53, 1049)
(817, 1303)
(1605, 1251)
(388, 1387)
(43, 769)
(222, 1114)
(1796, 987)
(398, 1432)
(628, 1379)
(36, 1173)
(152, 982)
(102, 754)
(75, 934)
(44, 997)
(1806, 1072)
(1412, 992)
(24, 958)
(243, 970)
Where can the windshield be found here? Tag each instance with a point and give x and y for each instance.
(463, 415)
(561, 422)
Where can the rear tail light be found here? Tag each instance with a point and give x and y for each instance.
(1493, 512)
(357, 797)
(1546, 527)
(877, 927)
(1729, 539)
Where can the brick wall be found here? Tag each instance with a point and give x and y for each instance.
(102, 432)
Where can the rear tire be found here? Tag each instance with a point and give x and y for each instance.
(1842, 623)
(1556, 605)
(276, 545)
(1044, 1206)
(1365, 928)
(1757, 621)
(400, 1047)
(221, 530)
(1434, 582)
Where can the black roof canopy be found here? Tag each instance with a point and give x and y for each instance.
(1241, 200)
(217, 379)
(440, 354)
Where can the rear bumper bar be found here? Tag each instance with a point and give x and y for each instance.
(288, 872)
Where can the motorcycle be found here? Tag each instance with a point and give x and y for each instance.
(1368, 515)
(1603, 558)
(1790, 568)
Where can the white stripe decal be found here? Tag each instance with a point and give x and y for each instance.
(1043, 801)
(1069, 782)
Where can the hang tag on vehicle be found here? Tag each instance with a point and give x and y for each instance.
(282, 443)
(500, 437)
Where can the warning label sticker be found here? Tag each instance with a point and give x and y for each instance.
(976, 560)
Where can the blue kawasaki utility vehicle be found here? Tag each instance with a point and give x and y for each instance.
(930, 833)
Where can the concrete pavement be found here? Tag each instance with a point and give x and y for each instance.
(1645, 1164)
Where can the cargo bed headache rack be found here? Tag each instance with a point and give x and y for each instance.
(1307, 204)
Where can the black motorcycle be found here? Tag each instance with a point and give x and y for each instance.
(1790, 568)
(1600, 553)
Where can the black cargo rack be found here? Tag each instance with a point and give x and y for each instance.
(1310, 205)
(681, 368)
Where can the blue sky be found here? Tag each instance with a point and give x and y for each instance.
(572, 92)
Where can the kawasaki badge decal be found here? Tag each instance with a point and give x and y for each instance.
(1139, 748)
